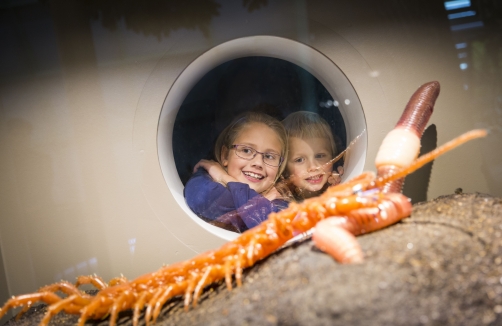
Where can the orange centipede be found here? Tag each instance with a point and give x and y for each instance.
(361, 205)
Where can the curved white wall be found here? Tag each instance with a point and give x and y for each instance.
(304, 56)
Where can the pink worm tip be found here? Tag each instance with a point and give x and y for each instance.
(339, 243)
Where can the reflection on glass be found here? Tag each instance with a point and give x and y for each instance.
(456, 4)
(154, 17)
(232, 125)
(479, 53)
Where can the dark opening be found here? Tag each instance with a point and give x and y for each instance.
(273, 86)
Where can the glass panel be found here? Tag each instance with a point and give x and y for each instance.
(240, 175)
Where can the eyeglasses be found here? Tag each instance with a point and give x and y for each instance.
(249, 153)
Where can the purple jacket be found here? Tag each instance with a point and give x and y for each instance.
(235, 204)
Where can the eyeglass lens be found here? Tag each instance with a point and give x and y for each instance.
(249, 153)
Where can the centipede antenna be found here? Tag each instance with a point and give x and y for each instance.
(426, 158)
(298, 238)
(343, 153)
(338, 157)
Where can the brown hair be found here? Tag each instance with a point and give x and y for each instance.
(232, 131)
(305, 124)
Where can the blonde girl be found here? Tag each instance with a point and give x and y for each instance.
(238, 187)
(309, 170)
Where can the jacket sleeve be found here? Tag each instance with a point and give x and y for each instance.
(236, 204)
(253, 208)
(209, 199)
(252, 213)
(206, 198)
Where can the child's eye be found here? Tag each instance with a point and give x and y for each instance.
(299, 160)
(269, 156)
(320, 155)
(246, 150)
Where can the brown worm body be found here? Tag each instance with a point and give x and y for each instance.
(419, 109)
(414, 120)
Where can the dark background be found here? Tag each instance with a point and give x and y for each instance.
(270, 85)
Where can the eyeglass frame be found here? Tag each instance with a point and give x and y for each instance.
(256, 152)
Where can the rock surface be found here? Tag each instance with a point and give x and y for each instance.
(442, 266)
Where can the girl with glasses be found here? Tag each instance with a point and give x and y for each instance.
(237, 190)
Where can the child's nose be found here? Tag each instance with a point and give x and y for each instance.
(313, 166)
(257, 161)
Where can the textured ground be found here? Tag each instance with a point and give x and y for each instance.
(442, 266)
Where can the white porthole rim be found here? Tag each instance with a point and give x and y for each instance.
(316, 63)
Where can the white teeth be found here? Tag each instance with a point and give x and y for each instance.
(254, 175)
(315, 177)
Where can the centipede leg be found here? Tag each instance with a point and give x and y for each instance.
(91, 310)
(28, 299)
(238, 272)
(189, 290)
(228, 274)
(200, 285)
(23, 311)
(117, 306)
(250, 252)
(65, 287)
(138, 306)
(117, 280)
(55, 308)
(95, 280)
(161, 301)
(151, 304)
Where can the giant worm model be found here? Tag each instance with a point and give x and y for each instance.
(402, 145)
(363, 204)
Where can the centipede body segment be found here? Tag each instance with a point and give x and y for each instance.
(358, 206)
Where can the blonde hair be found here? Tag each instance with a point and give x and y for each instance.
(305, 125)
(228, 136)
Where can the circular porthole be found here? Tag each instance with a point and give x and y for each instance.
(270, 85)
(276, 75)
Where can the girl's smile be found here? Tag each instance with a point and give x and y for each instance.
(308, 161)
(253, 177)
(316, 179)
(254, 172)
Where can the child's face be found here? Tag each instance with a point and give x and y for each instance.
(307, 162)
(258, 175)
